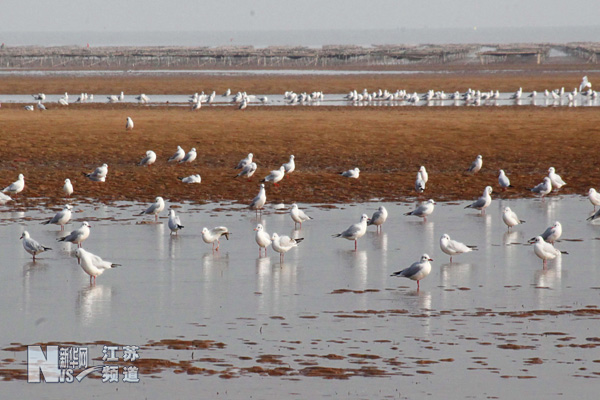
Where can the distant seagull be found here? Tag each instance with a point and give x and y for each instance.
(259, 201)
(543, 188)
(298, 216)
(420, 183)
(283, 244)
(40, 106)
(263, 240)
(61, 217)
(78, 235)
(453, 247)
(190, 156)
(503, 181)
(129, 124)
(99, 174)
(545, 250)
(191, 179)
(63, 102)
(355, 231)
(39, 96)
(510, 218)
(31, 246)
(476, 165)
(594, 197)
(289, 166)
(196, 105)
(423, 210)
(213, 235)
(29, 108)
(178, 156)
(556, 180)
(227, 93)
(142, 98)
(149, 159)
(68, 187)
(4, 199)
(417, 270)
(424, 173)
(351, 173)
(243, 104)
(275, 176)
(247, 171)
(15, 187)
(174, 222)
(245, 161)
(155, 208)
(585, 84)
(484, 201)
(517, 94)
(92, 264)
(552, 233)
(378, 219)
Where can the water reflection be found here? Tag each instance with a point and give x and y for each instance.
(93, 302)
(457, 274)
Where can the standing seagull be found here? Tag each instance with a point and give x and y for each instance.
(259, 201)
(213, 235)
(31, 246)
(378, 219)
(190, 156)
(424, 173)
(543, 188)
(298, 216)
(178, 156)
(423, 210)
(275, 176)
(174, 222)
(15, 187)
(245, 161)
(417, 270)
(552, 233)
(99, 174)
(283, 244)
(129, 124)
(453, 247)
(484, 201)
(289, 166)
(248, 170)
(556, 180)
(149, 159)
(68, 187)
(594, 197)
(545, 250)
(263, 240)
(355, 231)
(78, 235)
(92, 264)
(4, 199)
(155, 208)
(420, 183)
(61, 217)
(510, 218)
(476, 165)
(504, 181)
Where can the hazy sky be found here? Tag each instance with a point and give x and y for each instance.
(221, 15)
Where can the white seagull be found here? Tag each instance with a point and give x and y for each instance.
(420, 183)
(594, 197)
(31, 246)
(99, 174)
(61, 217)
(378, 219)
(556, 180)
(275, 176)
(552, 233)
(543, 188)
(15, 187)
(178, 156)
(424, 173)
(355, 231)
(174, 222)
(213, 235)
(92, 264)
(283, 244)
(4, 199)
(484, 201)
(190, 156)
(245, 161)
(263, 240)
(453, 247)
(510, 218)
(68, 187)
(476, 165)
(247, 171)
(351, 173)
(545, 250)
(417, 271)
(78, 235)
(423, 210)
(149, 159)
(155, 208)
(259, 201)
(129, 124)
(290, 166)
(191, 179)
(503, 181)
(298, 216)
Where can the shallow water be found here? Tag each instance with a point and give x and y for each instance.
(494, 316)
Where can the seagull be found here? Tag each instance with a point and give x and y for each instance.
(423, 210)
(61, 217)
(452, 247)
(584, 84)
(243, 104)
(191, 179)
(99, 174)
(417, 271)
(29, 108)
(213, 235)
(78, 235)
(283, 244)
(504, 181)
(378, 219)
(259, 201)
(351, 173)
(552, 233)
(556, 180)
(476, 165)
(155, 208)
(174, 222)
(63, 102)
(545, 250)
(178, 156)
(355, 231)
(543, 188)
(31, 246)
(15, 187)
(196, 106)
(68, 187)
(510, 218)
(594, 197)
(142, 98)
(92, 264)
(149, 159)
(262, 239)
(39, 96)
(189, 157)
(420, 183)
(290, 166)
(247, 171)
(484, 201)
(517, 94)
(424, 174)
(4, 199)
(129, 124)
(245, 161)
(227, 93)
(275, 176)
(298, 216)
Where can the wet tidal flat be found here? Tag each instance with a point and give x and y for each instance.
(328, 321)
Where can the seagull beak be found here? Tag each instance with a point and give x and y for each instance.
(430, 259)
(21, 237)
(255, 229)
